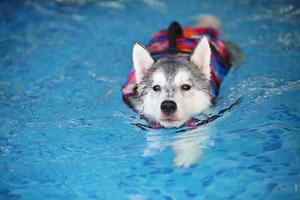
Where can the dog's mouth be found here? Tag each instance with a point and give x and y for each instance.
(169, 119)
(169, 122)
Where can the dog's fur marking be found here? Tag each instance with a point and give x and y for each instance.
(201, 57)
(180, 80)
(142, 61)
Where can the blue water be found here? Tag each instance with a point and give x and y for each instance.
(66, 134)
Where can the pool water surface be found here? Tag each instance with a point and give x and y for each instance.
(65, 132)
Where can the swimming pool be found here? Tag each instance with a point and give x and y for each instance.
(66, 134)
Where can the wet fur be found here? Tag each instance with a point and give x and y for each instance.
(187, 149)
(170, 73)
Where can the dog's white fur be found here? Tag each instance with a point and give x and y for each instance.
(201, 57)
(142, 61)
(187, 150)
(189, 102)
(189, 146)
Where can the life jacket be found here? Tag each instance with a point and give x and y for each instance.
(159, 46)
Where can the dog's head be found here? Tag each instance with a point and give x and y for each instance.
(173, 89)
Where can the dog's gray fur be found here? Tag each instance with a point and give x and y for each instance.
(170, 65)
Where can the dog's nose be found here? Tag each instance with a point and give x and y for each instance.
(168, 107)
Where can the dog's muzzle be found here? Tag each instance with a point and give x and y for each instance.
(168, 107)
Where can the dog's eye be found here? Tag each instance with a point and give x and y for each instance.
(185, 87)
(156, 88)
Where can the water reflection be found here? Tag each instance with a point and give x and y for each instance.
(188, 143)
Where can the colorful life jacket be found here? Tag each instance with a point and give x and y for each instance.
(159, 47)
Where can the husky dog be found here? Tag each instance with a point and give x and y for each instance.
(176, 77)
(179, 76)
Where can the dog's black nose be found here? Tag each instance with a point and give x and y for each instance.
(168, 107)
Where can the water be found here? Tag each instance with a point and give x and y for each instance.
(66, 134)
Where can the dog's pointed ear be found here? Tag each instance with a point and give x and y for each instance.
(142, 61)
(201, 56)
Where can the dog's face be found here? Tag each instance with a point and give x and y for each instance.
(173, 89)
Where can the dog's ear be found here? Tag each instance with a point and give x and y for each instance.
(201, 56)
(142, 61)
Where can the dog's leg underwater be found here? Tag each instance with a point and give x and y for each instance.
(189, 147)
